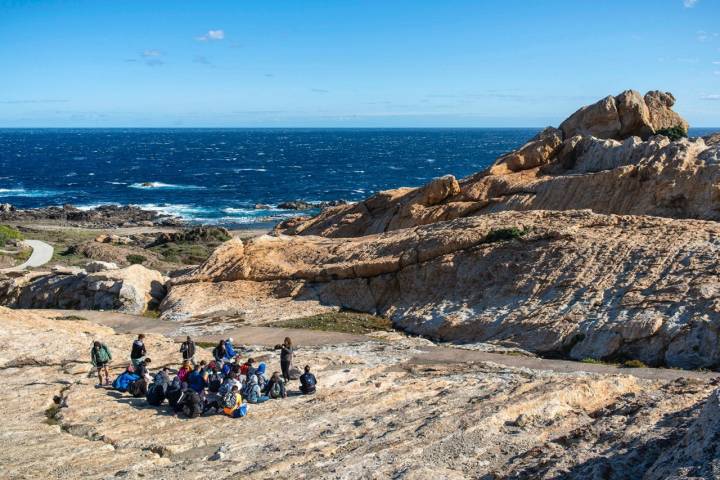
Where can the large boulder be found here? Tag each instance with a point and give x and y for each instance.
(538, 151)
(600, 120)
(133, 290)
(661, 114)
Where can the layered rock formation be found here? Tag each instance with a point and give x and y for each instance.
(134, 289)
(557, 283)
(381, 411)
(605, 157)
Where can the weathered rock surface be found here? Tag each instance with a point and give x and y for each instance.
(605, 157)
(131, 290)
(380, 412)
(573, 283)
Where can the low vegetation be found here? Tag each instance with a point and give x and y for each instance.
(344, 322)
(70, 317)
(673, 133)
(9, 234)
(135, 259)
(634, 364)
(501, 234)
(185, 253)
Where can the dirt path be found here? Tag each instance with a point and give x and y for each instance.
(41, 254)
(242, 335)
(431, 355)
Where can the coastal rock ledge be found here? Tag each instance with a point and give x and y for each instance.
(584, 243)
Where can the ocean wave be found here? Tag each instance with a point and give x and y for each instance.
(21, 192)
(238, 170)
(164, 186)
(187, 212)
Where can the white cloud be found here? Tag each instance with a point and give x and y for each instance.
(689, 3)
(716, 63)
(703, 36)
(152, 53)
(712, 96)
(211, 35)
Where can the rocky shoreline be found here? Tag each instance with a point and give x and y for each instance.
(103, 216)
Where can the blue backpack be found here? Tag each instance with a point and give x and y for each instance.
(123, 381)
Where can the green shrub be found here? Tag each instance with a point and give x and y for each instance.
(501, 234)
(634, 364)
(673, 133)
(7, 234)
(135, 259)
(592, 360)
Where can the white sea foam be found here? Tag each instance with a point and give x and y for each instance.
(166, 186)
(21, 192)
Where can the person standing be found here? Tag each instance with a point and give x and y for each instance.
(100, 356)
(286, 358)
(138, 352)
(188, 350)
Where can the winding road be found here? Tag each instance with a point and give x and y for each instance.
(41, 254)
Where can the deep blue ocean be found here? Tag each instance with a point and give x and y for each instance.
(219, 175)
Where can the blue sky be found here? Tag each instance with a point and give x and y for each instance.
(348, 63)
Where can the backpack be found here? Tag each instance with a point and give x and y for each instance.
(214, 383)
(173, 394)
(192, 404)
(275, 390)
(155, 394)
(228, 400)
(123, 381)
(138, 388)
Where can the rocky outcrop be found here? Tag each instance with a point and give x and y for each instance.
(104, 216)
(384, 409)
(134, 289)
(605, 157)
(574, 284)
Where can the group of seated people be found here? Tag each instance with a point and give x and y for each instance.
(222, 385)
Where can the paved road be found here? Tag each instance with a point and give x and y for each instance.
(41, 254)
(428, 355)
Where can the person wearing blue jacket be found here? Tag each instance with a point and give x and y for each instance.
(196, 379)
(229, 350)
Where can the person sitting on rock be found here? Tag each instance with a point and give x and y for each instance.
(260, 374)
(196, 379)
(286, 357)
(233, 405)
(100, 356)
(138, 352)
(308, 382)
(275, 387)
(184, 371)
(219, 353)
(142, 370)
(214, 379)
(188, 350)
(253, 392)
(162, 377)
(229, 350)
(249, 369)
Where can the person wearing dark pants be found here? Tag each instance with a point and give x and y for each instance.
(286, 358)
(188, 350)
